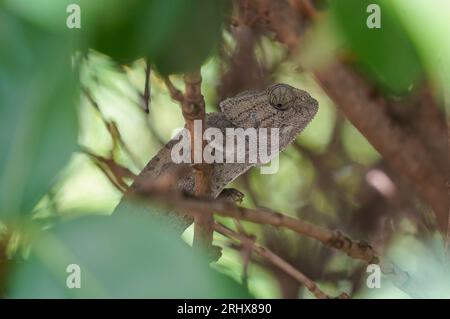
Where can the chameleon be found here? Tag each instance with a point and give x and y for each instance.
(278, 106)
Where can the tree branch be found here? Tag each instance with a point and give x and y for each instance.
(193, 109)
(175, 94)
(276, 260)
(157, 192)
(404, 153)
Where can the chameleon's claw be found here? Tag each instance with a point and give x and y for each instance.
(232, 194)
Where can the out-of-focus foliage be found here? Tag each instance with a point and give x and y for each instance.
(176, 36)
(122, 256)
(38, 133)
(387, 53)
(38, 121)
(430, 36)
(319, 179)
(424, 260)
(183, 33)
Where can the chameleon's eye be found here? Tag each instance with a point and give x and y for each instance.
(281, 97)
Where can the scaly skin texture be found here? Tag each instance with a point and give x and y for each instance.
(279, 106)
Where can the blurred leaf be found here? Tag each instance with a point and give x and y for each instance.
(386, 54)
(38, 120)
(176, 35)
(426, 262)
(106, 25)
(120, 256)
(183, 33)
(47, 14)
(430, 35)
(117, 31)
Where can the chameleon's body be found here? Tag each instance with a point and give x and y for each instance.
(279, 106)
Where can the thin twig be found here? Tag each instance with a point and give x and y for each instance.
(147, 88)
(112, 128)
(91, 99)
(202, 205)
(112, 170)
(335, 239)
(175, 94)
(193, 108)
(275, 260)
(119, 141)
(117, 183)
(246, 253)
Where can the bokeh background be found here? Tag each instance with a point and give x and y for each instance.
(74, 128)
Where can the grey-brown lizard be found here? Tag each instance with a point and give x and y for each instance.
(279, 106)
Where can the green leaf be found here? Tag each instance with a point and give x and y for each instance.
(183, 33)
(38, 120)
(430, 35)
(120, 256)
(176, 35)
(387, 54)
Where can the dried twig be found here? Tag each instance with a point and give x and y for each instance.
(112, 128)
(147, 93)
(193, 109)
(112, 170)
(119, 142)
(203, 205)
(175, 94)
(335, 239)
(275, 260)
(246, 252)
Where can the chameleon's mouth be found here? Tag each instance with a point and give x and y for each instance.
(313, 106)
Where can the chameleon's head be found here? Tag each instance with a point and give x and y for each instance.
(280, 105)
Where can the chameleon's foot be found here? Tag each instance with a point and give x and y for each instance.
(232, 194)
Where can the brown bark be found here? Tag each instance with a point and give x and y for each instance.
(278, 262)
(420, 115)
(200, 206)
(194, 109)
(403, 153)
